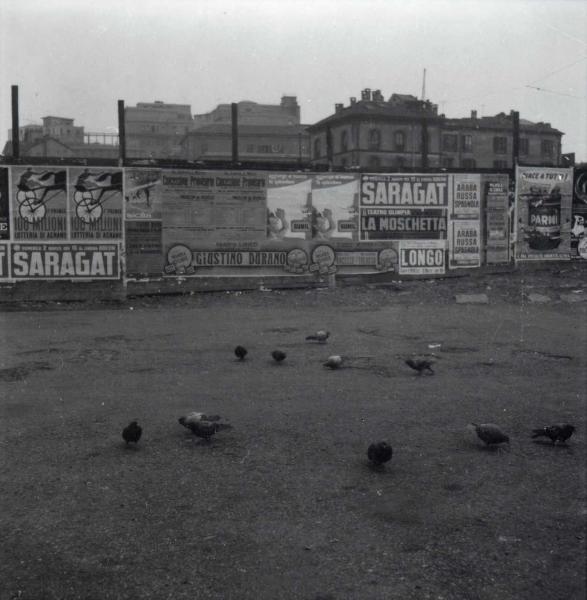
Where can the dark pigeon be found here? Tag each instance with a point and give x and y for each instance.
(278, 356)
(240, 352)
(560, 432)
(420, 365)
(379, 453)
(132, 433)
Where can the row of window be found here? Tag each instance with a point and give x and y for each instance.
(500, 144)
(449, 144)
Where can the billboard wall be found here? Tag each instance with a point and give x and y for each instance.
(75, 222)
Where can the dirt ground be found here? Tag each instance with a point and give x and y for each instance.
(285, 505)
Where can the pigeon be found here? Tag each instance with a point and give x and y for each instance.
(420, 365)
(320, 336)
(132, 433)
(240, 352)
(195, 417)
(206, 429)
(333, 362)
(379, 453)
(278, 356)
(560, 432)
(491, 434)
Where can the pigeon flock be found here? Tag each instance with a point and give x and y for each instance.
(206, 426)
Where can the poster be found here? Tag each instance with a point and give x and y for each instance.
(142, 193)
(334, 206)
(497, 224)
(579, 216)
(64, 261)
(95, 209)
(422, 257)
(4, 205)
(402, 206)
(465, 243)
(289, 202)
(4, 272)
(214, 209)
(466, 196)
(144, 249)
(543, 213)
(39, 203)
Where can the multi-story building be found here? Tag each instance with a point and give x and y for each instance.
(286, 113)
(256, 143)
(373, 133)
(487, 142)
(58, 137)
(156, 129)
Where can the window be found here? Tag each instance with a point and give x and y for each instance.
(374, 162)
(264, 149)
(524, 145)
(399, 161)
(399, 141)
(449, 142)
(547, 148)
(500, 164)
(500, 145)
(343, 163)
(448, 161)
(250, 148)
(374, 139)
(467, 143)
(317, 148)
(469, 163)
(344, 141)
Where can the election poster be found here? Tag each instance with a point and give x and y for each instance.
(95, 203)
(289, 206)
(4, 205)
(543, 213)
(142, 194)
(334, 207)
(404, 206)
(578, 233)
(65, 261)
(422, 257)
(39, 203)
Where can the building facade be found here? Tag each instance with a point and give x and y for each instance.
(256, 143)
(156, 129)
(58, 137)
(404, 132)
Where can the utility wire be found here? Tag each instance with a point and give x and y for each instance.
(533, 87)
(559, 70)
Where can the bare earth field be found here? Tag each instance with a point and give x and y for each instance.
(285, 506)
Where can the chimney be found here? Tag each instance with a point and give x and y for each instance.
(353, 101)
(338, 108)
(366, 94)
(377, 96)
(473, 114)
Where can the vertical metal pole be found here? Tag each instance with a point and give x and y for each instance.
(516, 138)
(121, 133)
(424, 143)
(15, 124)
(234, 120)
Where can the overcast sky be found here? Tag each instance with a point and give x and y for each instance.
(77, 58)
